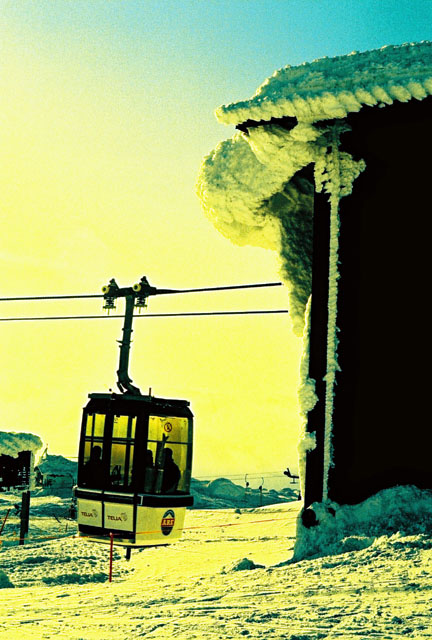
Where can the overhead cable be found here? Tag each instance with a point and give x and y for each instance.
(158, 292)
(150, 315)
(66, 297)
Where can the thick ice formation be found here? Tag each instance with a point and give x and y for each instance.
(307, 400)
(252, 189)
(232, 187)
(333, 87)
(335, 173)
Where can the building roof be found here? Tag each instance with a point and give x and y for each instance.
(330, 88)
(11, 443)
(255, 187)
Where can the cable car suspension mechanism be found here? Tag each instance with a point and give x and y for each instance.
(135, 296)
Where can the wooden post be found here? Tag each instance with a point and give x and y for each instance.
(4, 521)
(111, 557)
(25, 515)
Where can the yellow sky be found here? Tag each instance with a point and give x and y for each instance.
(97, 181)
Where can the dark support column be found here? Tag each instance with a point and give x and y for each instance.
(25, 515)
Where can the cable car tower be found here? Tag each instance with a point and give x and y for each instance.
(135, 452)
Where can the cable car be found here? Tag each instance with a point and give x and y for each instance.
(135, 454)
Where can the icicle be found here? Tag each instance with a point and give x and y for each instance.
(335, 172)
(307, 400)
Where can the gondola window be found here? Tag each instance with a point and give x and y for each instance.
(122, 451)
(92, 469)
(168, 442)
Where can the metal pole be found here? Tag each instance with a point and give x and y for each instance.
(111, 556)
(25, 514)
(124, 383)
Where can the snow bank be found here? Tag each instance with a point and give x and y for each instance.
(242, 565)
(5, 583)
(224, 488)
(55, 464)
(405, 510)
(180, 590)
(57, 475)
(45, 506)
(58, 560)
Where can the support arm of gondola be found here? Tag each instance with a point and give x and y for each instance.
(134, 296)
(124, 382)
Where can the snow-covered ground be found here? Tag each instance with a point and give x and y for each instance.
(202, 587)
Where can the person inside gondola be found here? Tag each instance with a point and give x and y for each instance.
(93, 468)
(171, 473)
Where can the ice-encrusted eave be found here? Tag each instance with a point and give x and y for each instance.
(252, 190)
(331, 88)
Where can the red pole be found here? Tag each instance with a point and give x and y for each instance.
(111, 556)
(4, 520)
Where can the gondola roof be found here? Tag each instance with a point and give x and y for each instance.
(128, 403)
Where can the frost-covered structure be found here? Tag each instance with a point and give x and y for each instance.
(330, 168)
(11, 443)
(56, 474)
(252, 186)
(17, 455)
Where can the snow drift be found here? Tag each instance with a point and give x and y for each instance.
(405, 510)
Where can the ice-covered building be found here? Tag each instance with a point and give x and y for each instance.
(330, 165)
(17, 454)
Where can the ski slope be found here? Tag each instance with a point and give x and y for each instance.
(210, 585)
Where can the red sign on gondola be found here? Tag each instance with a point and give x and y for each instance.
(168, 521)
